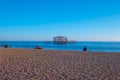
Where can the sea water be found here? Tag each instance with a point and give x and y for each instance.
(77, 46)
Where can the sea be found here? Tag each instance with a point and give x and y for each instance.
(96, 46)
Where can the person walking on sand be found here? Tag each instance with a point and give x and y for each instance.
(85, 48)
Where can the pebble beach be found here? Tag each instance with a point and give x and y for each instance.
(31, 64)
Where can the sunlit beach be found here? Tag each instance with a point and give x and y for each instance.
(59, 40)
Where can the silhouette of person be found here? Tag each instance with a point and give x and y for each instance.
(85, 48)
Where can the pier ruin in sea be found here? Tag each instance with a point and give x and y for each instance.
(60, 40)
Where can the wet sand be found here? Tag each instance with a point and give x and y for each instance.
(25, 64)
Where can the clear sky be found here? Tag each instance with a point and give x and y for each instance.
(83, 20)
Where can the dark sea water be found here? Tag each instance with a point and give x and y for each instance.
(78, 46)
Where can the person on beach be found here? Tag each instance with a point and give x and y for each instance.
(38, 47)
(85, 48)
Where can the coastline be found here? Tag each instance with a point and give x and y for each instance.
(91, 46)
(31, 64)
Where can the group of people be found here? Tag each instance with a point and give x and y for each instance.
(6, 46)
(37, 47)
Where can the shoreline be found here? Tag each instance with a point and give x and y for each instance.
(88, 51)
(91, 46)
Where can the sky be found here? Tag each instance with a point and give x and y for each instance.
(80, 20)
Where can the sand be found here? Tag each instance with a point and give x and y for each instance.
(25, 64)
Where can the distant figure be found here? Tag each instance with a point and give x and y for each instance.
(85, 48)
(38, 47)
(5, 46)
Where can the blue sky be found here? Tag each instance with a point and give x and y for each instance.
(83, 20)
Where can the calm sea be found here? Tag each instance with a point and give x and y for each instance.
(78, 46)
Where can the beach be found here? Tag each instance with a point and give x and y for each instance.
(31, 64)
